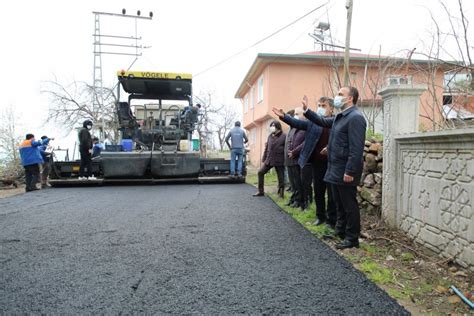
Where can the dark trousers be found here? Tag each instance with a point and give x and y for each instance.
(280, 170)
(32, 173)
(85, 170)
(306, 180)
(46, 168)
(322, 212)
(294, 173)
(348, 212)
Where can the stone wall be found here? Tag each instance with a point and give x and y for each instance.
(435, 191)
(370, 189)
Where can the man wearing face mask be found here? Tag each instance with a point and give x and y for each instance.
(313, 161)
(273, 157)
(295, 145)
(85, 150)
(345, 161)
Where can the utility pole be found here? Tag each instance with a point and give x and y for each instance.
(118, 45)
(348, 41)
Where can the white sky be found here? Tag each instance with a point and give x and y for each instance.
(43, 39)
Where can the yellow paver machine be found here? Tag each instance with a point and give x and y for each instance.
(156, 124)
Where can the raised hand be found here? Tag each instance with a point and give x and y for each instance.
(278, 112)
(305, 102)
(324, 151)
(348, 179)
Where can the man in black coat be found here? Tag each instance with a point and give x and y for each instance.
(85, 150)
(273, 157)
(345, 161)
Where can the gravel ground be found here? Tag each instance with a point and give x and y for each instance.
(170, 249)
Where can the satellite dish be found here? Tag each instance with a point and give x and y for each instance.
(323, 26)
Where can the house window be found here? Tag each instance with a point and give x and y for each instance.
(246, 104)
(252, 97)
(253, 136)
(353, 76)
(260, 89)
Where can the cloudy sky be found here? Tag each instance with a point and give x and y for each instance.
(42, 40)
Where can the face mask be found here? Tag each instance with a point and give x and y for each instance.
(89, 126)
(272, 129)
(321, 111)
(339, 101)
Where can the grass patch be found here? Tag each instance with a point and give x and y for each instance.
(376, 272)
(397, 294)
(371, 250)
(252, 177)
(407, 256)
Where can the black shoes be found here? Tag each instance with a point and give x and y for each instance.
(345, 244)
(290, 203)
(281, 193)
(319, 222)
(259, 194)
(295, 204)
(334, 236)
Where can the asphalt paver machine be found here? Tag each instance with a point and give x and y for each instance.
(156, 124)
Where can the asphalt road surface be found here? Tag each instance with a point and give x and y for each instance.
(170, 249)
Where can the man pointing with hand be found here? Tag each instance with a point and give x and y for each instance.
(345, 161)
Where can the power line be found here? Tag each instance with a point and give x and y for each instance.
(260, 41)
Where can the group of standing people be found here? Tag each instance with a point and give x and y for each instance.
(324, 150)
(36, 157)
(36, 160)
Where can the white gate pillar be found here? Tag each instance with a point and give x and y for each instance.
(401, 107)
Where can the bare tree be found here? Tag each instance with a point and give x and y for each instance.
(441, 56)
(9, 142)
(205, 126)
(71, 104)
(223, 121)
(216, 120)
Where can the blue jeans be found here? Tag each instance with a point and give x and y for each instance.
(239, 154)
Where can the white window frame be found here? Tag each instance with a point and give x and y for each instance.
(246, 103)
(260, 89)
(252, 97)
(253, 136)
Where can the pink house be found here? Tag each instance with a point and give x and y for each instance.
(281, 80)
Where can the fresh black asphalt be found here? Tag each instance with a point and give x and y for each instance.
(203, 249)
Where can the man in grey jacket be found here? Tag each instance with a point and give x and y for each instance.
(238, 138)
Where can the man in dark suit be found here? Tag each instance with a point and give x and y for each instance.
(315, 140)
(345, 161)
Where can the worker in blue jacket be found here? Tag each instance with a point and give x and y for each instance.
(30, 160)
(345, 161)
(46, 166)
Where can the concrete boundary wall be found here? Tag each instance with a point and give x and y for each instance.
(435, 191)
(428, 178)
